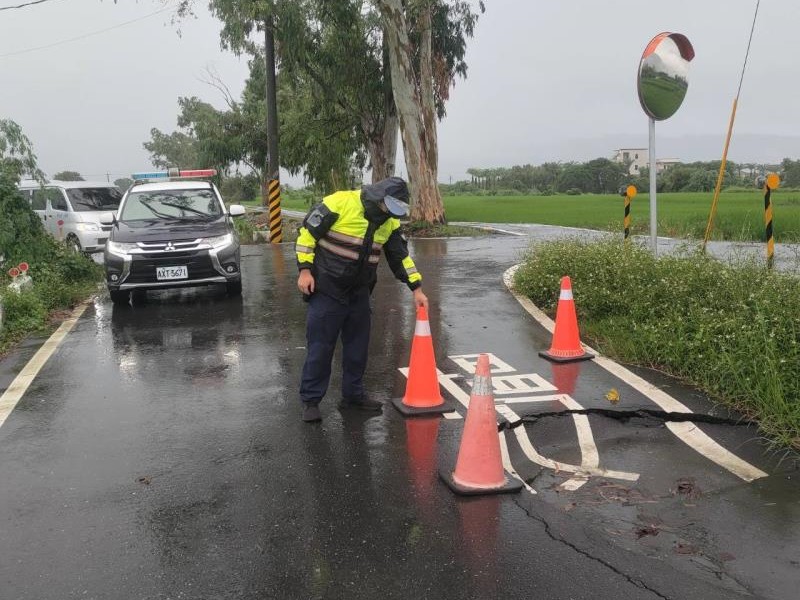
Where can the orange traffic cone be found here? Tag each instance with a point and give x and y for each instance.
(566, 346)
(479, 468)
(422, 390)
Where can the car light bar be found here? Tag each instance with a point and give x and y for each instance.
(174, 174)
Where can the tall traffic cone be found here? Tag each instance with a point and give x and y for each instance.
(566, 346)
(422, 389)
(479, 468)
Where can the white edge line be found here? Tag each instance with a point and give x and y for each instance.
(23, 380)
(687, 432)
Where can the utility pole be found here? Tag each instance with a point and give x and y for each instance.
(273, 164)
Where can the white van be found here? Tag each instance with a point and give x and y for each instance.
(70, 210)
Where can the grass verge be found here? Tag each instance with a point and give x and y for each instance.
(731, 330)
(57, 285)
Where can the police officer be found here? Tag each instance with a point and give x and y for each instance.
(338, 250)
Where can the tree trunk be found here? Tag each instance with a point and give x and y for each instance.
(419, 138)
(381, 145)
(382, 135)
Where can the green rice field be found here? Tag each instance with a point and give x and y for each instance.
(739, 217)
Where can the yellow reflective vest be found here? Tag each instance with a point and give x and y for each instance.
(334, 243)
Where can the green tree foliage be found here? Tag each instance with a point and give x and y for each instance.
(176, 149)
(123, 183)
(791, 173)
(336, 109)
(239, 188)
(603, 176)
(17, 159)
(68, 176)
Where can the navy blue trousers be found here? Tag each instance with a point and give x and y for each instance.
(327, 318)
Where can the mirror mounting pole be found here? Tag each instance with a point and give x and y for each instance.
(653, 189)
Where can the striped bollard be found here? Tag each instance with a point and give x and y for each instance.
(628, 193)
(275, 226)
(770, 184)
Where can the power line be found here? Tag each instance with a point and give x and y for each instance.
(23, 5)
(86, 35)
(747, 53)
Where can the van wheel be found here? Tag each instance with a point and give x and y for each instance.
(234, 288)
(119, 297)
(74, 244)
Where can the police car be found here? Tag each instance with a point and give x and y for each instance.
(172, 229)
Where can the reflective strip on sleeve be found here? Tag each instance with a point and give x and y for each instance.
(303, 249)
(411, 270)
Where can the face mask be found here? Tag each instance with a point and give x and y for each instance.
(373, 213)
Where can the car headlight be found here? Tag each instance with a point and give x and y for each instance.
(87, 227)
(219, 241)
(120, 248)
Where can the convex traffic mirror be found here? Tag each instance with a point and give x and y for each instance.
(663, 74)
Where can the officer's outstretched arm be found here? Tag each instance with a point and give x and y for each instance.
(403, 267)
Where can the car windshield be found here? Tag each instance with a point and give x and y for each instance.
(171, 205)
(99, 198)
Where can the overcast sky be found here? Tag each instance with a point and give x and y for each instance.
(548, 80)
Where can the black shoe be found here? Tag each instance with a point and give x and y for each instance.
(311, 413)
(361, 403)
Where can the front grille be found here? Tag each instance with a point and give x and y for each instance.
(143, 267)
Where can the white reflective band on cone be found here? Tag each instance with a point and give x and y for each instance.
(565, 295)
(423, 328)
(482, 386)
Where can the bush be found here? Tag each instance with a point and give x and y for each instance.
(61, 278)
(729, 329)
(21, 312)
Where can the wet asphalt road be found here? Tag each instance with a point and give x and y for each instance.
(160, 455)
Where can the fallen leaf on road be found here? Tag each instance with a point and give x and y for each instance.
(686, 486)
(646, 530)
(681, 548)
(612, 395)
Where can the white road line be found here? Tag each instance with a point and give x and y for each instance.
(509, 467)
(534, 456)
(687, 432)
(590, 458)
(23, 380)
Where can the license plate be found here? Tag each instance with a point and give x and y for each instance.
(166, 273)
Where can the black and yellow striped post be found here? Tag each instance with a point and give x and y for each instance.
(275, 225)
(770, 184)
(628, 193)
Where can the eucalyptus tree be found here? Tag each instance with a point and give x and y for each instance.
(336, 78)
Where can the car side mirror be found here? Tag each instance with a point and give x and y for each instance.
(107, 218)
(236, 210)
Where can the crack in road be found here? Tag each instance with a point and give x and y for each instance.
(637, 582)
(627, 415)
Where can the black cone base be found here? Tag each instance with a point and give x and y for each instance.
(412, 411)
(511, 486)
(565, 359)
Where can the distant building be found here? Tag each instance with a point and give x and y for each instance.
(638, 159)
(662, 164)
